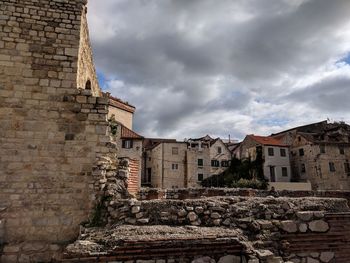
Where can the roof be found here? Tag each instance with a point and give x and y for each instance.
(305, 128)
(118, 103)
(129, 134)
(149, 143)
(204, 138)
(267, 140)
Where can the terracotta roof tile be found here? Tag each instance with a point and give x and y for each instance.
(129, 134)
(266, 140)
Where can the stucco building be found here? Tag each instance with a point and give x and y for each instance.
(275, 155)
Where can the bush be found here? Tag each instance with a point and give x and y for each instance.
(253, 183)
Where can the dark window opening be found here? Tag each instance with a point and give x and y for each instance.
(341, 150)
(284, 172)
(301, 152)
(200, 162)
(303, 168)
(322, 148)
(219, 150)
(200, 177)
(215, 163)
(331, 167)
(88, 85)
(270, 151)
(283, 152)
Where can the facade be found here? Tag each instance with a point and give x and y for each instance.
(129, 145)
(320, 154)
(121, 111)
(172, 164)
(275, 156)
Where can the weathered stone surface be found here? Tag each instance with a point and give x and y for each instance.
(230, 259)
(312, 260)
(305, 215)
(203, 260)
(303, 228)
(289, 226)
(318, 226)
(326, 256)
(192, 216)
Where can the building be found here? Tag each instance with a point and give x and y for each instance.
(275, 155)
(320, 154)
(172, 164)
(129, 143)
(219, 153)
(121, 111)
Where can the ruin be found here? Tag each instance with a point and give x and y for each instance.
(60, 177)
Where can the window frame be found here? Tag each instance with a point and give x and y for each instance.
(284, 172)
(284, 151)
(200, 162)
(270, 151)
(331, 166)
(200, 177)
(127, 144)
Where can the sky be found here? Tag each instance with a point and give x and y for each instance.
(228, 67)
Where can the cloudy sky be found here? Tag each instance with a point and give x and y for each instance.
(196, 67)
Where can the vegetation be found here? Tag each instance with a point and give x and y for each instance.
(241, 174)
(113, 125)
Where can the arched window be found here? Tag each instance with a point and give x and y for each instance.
(88, 85)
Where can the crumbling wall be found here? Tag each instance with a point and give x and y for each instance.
(263, 230)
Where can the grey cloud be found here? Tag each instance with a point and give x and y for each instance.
(171, 53)
(329, 95)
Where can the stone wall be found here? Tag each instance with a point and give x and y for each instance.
(86, 77)
(264, 230)
(56, 157)
(192, 193)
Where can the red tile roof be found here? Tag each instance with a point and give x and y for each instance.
(267, 140)
(118, 103)
(129, 134)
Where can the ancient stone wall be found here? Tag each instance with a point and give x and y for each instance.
(265, 230)
(56, 157)
(86, 77)
(191, 193)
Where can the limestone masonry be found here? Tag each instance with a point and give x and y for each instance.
(64, 186)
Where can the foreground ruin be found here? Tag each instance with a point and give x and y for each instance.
(248, 229)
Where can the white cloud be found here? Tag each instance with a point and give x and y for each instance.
(224, 67)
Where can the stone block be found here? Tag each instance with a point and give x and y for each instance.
(289, 226)
(230, 259)
(326, 256)
(318, 226)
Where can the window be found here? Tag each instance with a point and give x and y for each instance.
(219, 150)
(127, 144)
(174, 166)
(200, 177)
(175, 150)
(88, 85)
(301, 152)
(224, 163)
(341, 150)
(270, 151)
(272, 174)
(200, 162)
(347, 168)
(331, 167)
(283, 152)
(284, 172)
(303, 168)
(215, 163)
(322, 148)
